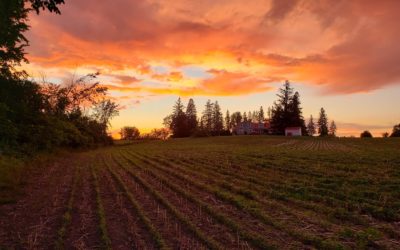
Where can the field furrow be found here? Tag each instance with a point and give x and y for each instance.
(175, 230)
(230, 205)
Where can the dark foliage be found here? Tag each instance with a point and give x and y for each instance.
(33, 118)
(286, 112)
(129, 133)
(396, 131)
(323, 123)
(366, 134)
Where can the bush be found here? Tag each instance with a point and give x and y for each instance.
(366, 134)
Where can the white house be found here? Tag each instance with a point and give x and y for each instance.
(293, 131)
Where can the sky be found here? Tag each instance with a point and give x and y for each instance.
(341, 55)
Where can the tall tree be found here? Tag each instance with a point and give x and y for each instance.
(228, 124)
(295, 116)
(311, 126)
(179, 120)
(191, 114)
(236, 118)
(218, 122)
(207, 117)
(286, 111)
(332, 128)
(13, 24)
(261, 115)
(245, 117)
(322, 123)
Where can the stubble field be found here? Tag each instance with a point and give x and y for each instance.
(240, 192)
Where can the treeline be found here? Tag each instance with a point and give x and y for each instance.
(285, 112)
(43, 116)
(133, 133)
(183, 122)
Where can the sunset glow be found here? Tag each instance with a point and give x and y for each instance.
(344, 56)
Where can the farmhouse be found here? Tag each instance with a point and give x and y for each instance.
(251, 128)
(293, 131)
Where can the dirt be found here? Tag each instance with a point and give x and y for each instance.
(33, 221)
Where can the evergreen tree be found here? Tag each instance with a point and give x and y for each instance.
(269, 113)
(311, 127)
(332, 128)
(228, 124)
(218, 122)
(261, 115)
(191, 114)
(322, 123)
(295, 117)
(236, 118)
(207, 117)
(286, 112)
(179, 120)
(244, 117)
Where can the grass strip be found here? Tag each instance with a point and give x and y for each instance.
(67, 216)
(254, 239)
(106, 242)
(210, 243)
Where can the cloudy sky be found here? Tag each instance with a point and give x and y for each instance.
(341, 55)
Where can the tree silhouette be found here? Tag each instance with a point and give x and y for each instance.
(129, 133)
(179, 120)
(207, 117)
(13, 25)
(261, 115)
(286, 111)
(366, 134)
(311, 126)
(228, 123)
(322, 123)
(396, 131)
(332, 128)
(218, 122)
(191, 115)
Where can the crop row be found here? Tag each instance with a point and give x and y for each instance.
(252, 208)
(253, 238)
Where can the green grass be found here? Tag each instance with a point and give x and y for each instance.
(347, 183)
(11, 170)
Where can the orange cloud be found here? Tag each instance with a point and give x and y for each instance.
(345, 46)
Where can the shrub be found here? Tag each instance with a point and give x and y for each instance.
(366, 134)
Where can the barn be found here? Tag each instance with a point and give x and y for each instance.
(293, 131)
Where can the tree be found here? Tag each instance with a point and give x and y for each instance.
(286, 111)
(295, 114)
(129, 133)
(179, 120)
(366, 134)
(218, 122)
(13, 23)
(104, 111)
(245, 117)
(396, 131)
(236, 118)
(311, 126)
(322, 123)
(385, 135)
(228, 124)
(161, 133)
(332, 128)
(207, 117)
(261, 115)
(191, 115)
